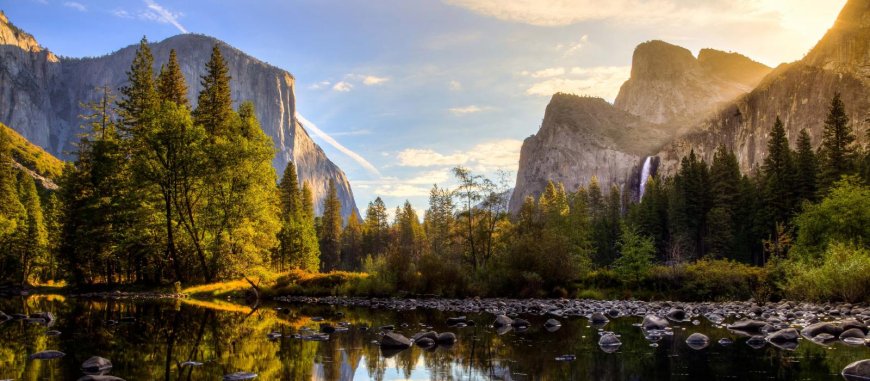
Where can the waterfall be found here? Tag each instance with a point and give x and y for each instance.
(644, 175)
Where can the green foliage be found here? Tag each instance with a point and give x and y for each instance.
(32, 156)
(636, 255)
(842, 216)
(330, 232)
(843, 273)
(837, 153)
(298, 246)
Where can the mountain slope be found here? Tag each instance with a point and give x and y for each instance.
(42, 166)
(582, 137)
(799, 93)
(40, 96)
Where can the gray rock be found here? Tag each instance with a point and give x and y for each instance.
(96, 364)
(857, 371)
(756, 342)
(855, 333)
(425, 342)
(609, 339)
(652, 322)
(47, 355)
(394, 340)
(520, 323)
(446, 338)
(698, 341)
(813, 330)
(552, 323)
(240, 376)
(502, 321)
(598, 318)
(429, 334)
(784, 335)
(748, 325)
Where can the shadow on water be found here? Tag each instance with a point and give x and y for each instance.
(152, 340)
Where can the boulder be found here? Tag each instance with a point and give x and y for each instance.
(676, 314)
(47, 355)
(421, 335)
(502, 321)
(855, 333)
(598, 318)
(96, 364)
(748, 325)
(609, 339)
(240, 376)
(394, 340)
(698, 341)
(756, 342)
(552, 323)
(425, 342)
(652, 322)
(446, 338)
(857, 371)
(813, 330)
(784, 336)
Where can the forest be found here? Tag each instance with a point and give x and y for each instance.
(161, 192)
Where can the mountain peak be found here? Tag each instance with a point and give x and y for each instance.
(845, 48)
(656, 60)
(856, 13)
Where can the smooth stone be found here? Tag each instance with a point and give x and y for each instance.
(698, 341)
(855, 333)
(446, 338)
(756, 342)
(455, 320)
(47, 355)
(502, 321)
(240, 376)
(857, 371)
(394, 340)
(520, 323)
(552, 323)
(598, 318)
(425, 342)
(609, 340)
(783, 336)
(748, 325)
(421, 335)
(96, 364)
(853, 341)
(652, 322)
(830, 328)
(676, 315)
(725, 341)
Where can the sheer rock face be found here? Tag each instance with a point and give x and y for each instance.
(799, 93)
(582, 137)
(668, 84)
(40, 96)
(684, 104)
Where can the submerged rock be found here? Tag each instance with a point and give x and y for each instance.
(240, 376)
(455, 320)
(652, 322)
(598, 318)
(855, 333)
(446, 338)
(698, 341)
(748, 325)
(394, 340)
(425, 342)
(520, 323)
(857, 371)
(609, 340)
(502, 321)
(47, 355)
(756, 342)
(783, 336)
(96, 364)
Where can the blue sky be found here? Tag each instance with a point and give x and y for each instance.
(417, 87)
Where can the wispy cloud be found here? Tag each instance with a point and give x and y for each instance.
(331, 141)
(471, 109)
(545, 73)
(487, 156)
(599, 81)
(342, 86)
(455, 85)
(161, 14)
(76, 5)
(371, 80)
(353, 133)
(575, 46)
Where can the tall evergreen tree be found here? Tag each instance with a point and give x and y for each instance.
(307, 201)
(139, 97)
(215, 105)
(837, 150)
(779, 176)
(805, 167)
(330, 233)
(439, 221)
(298, 246)
(32, 238)
(351, 244)
(375, 228)
(724, 188)
(171, 85)
(689, 204)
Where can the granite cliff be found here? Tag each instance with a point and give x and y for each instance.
(41, 93)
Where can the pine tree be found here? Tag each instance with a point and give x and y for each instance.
(13, 216)
(330, 233)
(837, 151)
(689, 204)
(724, 188)
(139, 98)
(375, 228)
(215, 105)
(351, 243)
(805, 167)
(171, 85)
(298, 246)
(779, 175)
(307, 201)
(32, 235)
(439, 221)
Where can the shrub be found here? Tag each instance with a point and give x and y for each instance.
(843, 274)
(843, 216)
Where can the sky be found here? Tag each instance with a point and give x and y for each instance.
(398, 92)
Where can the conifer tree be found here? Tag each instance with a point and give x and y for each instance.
(806, 167)
(330, 233)
(307, 201)
(298, 246)
(439, 221)
(779, 175)
(837, 150)
(139, 97)
(375, 228)
(215, 105)
(32, 235)
(171, 85)
(724, 188)
(351, 243)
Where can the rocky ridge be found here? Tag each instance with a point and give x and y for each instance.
(40, 97)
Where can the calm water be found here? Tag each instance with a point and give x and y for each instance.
(151, 339)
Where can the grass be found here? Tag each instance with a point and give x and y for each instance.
(32, 156)
(294, 282)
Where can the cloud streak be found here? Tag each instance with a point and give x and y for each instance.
(347, 151)
(164, 15)
(74, 5)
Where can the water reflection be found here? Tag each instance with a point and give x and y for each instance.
(196, 340)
